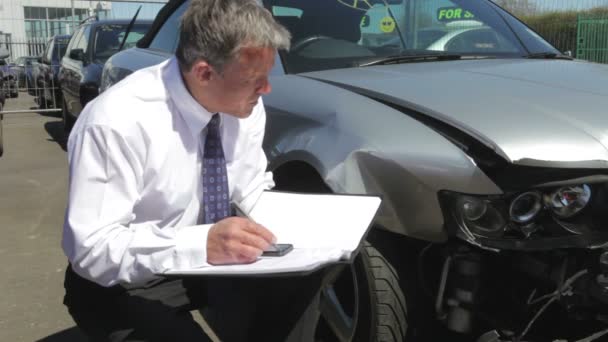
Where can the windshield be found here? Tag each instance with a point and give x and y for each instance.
(109, 37)
(330, 34)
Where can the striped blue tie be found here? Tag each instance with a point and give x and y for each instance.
(215, 177)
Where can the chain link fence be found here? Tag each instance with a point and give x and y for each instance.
(34, 36)
(592, 39)
(577, 26)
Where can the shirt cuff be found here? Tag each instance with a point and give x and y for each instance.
(191, 247)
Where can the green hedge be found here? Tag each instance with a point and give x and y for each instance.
(560, 28)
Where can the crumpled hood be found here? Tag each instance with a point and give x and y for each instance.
(551, 113)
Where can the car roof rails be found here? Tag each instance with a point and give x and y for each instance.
(91, 18)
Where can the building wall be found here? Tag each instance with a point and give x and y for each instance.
(26, 25)
(12, 14)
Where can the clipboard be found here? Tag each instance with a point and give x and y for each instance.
(325, 229)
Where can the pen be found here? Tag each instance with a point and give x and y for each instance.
(240, 212)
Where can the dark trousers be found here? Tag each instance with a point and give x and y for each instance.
(241, 309)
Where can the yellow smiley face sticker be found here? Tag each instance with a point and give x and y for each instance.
(387, 25)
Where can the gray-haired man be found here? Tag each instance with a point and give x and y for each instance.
(154, 163)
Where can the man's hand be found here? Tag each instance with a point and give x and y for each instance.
(237, 240)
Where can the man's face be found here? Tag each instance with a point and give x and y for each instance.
(237, 89)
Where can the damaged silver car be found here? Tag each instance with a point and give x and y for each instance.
(488, 146)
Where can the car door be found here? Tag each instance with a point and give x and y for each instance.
(44, 65)
(72, 64)
(65, 72)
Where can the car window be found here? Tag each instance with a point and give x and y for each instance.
(167, 37)
(480, 40)
(83, 42)
(48, 54)
(60, 48)
(132, 39)
(75, 37)
(344, 33)
(533, 42)
(108, 38)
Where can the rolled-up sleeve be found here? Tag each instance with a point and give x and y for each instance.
(99, 238)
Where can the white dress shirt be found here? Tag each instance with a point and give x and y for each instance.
(135, 184)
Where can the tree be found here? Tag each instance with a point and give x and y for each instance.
(518, 7)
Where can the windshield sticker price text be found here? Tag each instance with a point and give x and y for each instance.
(453, 13)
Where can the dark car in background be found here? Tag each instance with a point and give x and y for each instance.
(9, 79)
(91, 46)
(24, 69)
(4, 53)
(487, 145)
(47, 90)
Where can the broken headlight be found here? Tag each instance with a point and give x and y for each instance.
(481, 215)
(568, 201)
(556, 213)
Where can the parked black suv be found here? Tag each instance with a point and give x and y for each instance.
(3, 54)
(9, 78)
(91, 45)
(24, 67)
(47, 90)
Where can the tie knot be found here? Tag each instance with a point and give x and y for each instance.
(214, 122)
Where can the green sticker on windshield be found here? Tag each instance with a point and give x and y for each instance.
(365, 21)
(387, 24)
(453, 13)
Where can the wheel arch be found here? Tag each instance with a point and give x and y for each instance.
(300, 176)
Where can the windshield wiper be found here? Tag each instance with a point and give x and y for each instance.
(128, 30)
(548, 55)
(419, 58)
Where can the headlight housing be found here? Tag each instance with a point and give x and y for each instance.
(112, 75)
(481, 216)
(568, 201)
(525, 207)
(555, 213)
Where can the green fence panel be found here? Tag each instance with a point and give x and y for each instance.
(592, 39)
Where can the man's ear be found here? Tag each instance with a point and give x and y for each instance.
(202, 71)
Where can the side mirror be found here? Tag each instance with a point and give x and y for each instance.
(77, 54)
(568, 53)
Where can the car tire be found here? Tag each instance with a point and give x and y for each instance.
(380, 311)
(30, 87)
(366, 301)
(40, 97)
(68, 121)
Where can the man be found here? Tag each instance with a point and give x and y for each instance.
(154, 163)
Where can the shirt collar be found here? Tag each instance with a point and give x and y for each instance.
(195, 115)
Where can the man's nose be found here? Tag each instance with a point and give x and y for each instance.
(265, 87)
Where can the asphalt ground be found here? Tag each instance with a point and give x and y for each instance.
(33, 183)
(33, 193)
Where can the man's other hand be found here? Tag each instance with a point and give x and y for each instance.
(237, 240)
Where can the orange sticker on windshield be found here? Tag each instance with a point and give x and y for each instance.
(387, 25)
